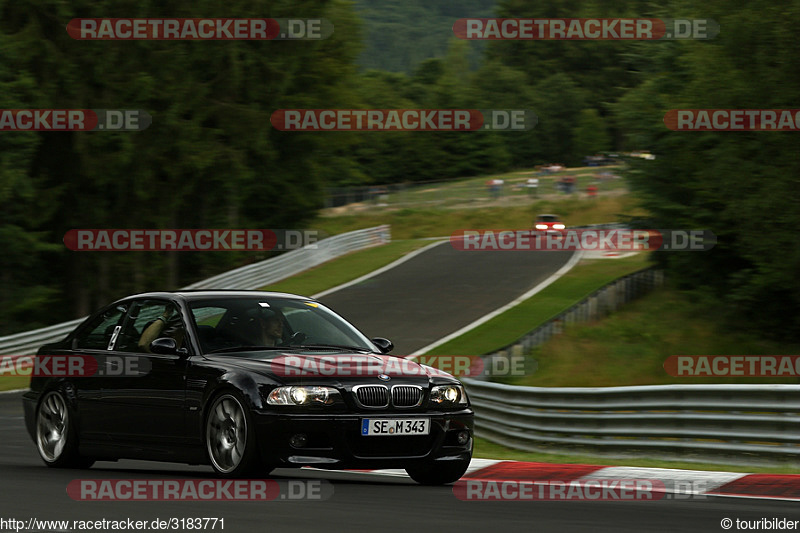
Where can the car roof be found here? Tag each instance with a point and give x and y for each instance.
(210, 294)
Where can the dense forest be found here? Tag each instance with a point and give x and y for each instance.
(401, 34)
(211, 158)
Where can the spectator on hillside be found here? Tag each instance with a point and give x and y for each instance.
(495, 187)
(570, 180)
(533, 187)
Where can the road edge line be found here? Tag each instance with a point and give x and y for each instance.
(12, 391)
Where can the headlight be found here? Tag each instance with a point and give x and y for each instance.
(541, 226)
(302, 396)
(559, 226)
(449, 395)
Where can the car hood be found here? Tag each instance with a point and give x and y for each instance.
(292, 365)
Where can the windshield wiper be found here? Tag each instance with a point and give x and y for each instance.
(246, 349)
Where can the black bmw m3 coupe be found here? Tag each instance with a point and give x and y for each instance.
(245, 381)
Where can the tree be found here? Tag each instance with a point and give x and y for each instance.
(210, 158)
(590, 133)
(742, 186)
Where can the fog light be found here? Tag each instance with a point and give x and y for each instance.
(462, 437)
(299, 440)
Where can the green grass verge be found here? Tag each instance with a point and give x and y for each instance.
(14, 382)
(419, 223)
(630, 346)
(345, 268)
(582, 280)
(490, 450)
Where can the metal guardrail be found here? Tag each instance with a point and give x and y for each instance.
(245, 278)
(694, 422)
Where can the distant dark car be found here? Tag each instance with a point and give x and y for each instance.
(549, 224)
(245, 381)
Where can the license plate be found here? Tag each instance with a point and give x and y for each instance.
(387, 427)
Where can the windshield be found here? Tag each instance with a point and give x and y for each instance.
(227, 324)
(547, 218)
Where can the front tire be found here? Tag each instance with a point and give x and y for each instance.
(56, 435)
(438, 473)
(231, 438)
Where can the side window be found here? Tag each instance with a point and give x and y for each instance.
(149, 320)
(99, 332)
(207, 321)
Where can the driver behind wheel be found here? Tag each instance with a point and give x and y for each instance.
(269, 330)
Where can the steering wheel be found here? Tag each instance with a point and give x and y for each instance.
(298, 337)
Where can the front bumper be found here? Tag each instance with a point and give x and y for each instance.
(335, 440)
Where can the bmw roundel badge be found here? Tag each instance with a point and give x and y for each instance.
(383, 377)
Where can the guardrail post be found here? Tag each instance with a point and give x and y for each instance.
(526, 343)
(614, 292)
(516, 351)
(602, 302)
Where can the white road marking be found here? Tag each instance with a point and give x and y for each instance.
(485, 318)
(381, 270)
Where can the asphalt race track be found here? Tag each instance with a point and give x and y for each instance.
(439, 291)
(354, 502)
(414, 304)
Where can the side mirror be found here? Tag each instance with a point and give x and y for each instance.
(164, 346)
(384, 345)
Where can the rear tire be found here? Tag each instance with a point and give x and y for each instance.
(231, 438)
(56, 434)
(438, 473)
